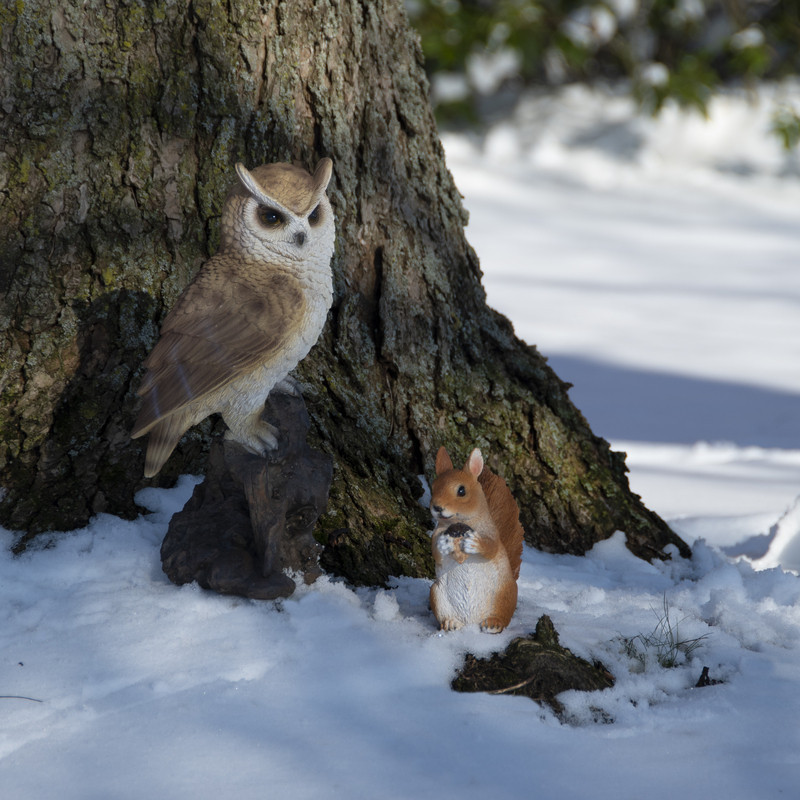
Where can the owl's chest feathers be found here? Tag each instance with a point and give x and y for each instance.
(318, 295)
(316, 287)
(249, 389)
(312, 278)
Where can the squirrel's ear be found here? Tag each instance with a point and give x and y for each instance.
(443, 461)
(475, 462)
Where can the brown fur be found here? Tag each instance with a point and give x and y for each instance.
(490, 552)
(505, 512)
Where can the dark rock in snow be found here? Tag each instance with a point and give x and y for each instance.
(536, 666)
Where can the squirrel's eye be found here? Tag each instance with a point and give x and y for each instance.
(270, 217)
(314, 216)
(461, 491)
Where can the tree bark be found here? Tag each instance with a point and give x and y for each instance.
(120, 126)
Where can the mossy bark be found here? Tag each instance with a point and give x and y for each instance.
(121, 124)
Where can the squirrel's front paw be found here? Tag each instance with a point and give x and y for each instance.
(445, 545)
(469, 544)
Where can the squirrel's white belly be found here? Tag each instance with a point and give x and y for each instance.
(466, 592)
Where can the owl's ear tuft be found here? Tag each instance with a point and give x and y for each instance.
(245, 177)
(322, 175)
(249, 182)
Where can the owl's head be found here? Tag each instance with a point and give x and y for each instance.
(280, 210)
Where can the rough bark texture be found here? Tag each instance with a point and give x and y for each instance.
(120, 126)
(534, 666)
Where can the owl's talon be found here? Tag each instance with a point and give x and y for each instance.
(288, 386)
(260, 439)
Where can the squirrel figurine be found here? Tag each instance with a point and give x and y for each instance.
(477, 546)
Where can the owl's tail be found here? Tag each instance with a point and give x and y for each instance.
(164, 435)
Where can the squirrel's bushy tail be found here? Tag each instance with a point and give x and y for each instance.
(505, 513)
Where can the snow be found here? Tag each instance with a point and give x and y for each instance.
(662, 282)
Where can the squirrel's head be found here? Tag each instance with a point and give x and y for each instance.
(456, 493)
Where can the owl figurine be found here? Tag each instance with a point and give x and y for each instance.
(251, 313)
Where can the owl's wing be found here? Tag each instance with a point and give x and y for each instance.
(218, 329)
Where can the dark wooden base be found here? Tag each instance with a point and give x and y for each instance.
(247, 529)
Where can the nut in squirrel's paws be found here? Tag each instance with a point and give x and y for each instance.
(458, 529)
(457, 535)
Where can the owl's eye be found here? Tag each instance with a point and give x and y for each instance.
(461, 491)
(270, 217)
(315, 216)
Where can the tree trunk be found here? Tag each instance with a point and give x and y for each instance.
(120, 126)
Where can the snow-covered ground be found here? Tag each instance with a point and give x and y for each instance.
(655, 263)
